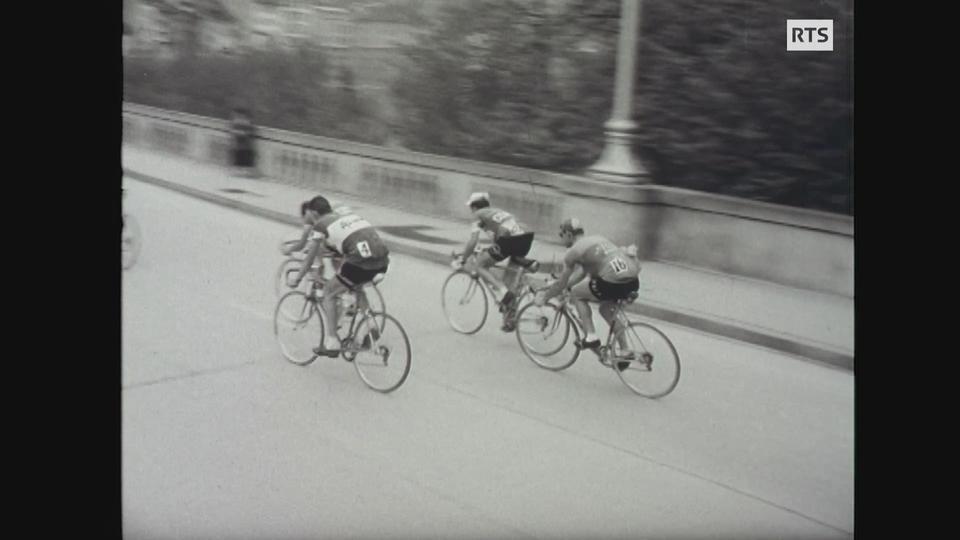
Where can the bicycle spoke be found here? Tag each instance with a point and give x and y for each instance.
(297, 335)
(649, 364)
(383, 352)
(543, 332)
(464, 302)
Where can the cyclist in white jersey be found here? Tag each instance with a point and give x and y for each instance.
(364, 257)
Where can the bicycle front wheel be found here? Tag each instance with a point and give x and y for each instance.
(288, 269)
(298, 327)
(130, 240)
(464, 302)
(649, 364)
(543, 332)
(382, 352)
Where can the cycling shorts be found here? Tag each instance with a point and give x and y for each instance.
(607, 291)
(511, 246)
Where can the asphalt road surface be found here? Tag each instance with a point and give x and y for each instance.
(222, 438)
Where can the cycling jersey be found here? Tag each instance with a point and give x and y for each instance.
(602, 259)
(354, 238)
(497, 222)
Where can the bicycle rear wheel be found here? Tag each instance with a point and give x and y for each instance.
(543, 332)
(464, 302)
(298, 327)
(382, 352)
(375, 300)
(130, 241)
(652, 365)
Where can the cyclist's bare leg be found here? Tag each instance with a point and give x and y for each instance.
(511, 275)
(580, 294)
(331, 291)
(482, 266)
(609, 312)
(362, 302)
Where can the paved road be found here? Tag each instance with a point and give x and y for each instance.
(224, 439)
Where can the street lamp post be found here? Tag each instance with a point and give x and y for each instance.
(618, 162)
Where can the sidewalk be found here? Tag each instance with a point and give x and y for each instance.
(816, 326)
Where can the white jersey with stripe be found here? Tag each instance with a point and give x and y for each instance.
(354, 238)
(340, 228)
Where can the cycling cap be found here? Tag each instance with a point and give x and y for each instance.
(477, 197)
(571, 225)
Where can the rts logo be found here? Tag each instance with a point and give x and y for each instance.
(809, 34)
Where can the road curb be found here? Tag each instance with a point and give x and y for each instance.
(711, 326)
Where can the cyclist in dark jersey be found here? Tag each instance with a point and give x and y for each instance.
(511, 239)
(364, 256)
(613, 276)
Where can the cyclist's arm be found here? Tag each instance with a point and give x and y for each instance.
(471, 244)
(576, 275)
(315, 249)
(562, 282)
(297, 245)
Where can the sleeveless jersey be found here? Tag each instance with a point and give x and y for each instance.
(602, 259)
(354, 238)
(497, 222)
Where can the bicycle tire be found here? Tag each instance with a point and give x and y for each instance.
(375, 301)
(280, 286)
(130, 242)
(373, 354)
(662, 375)
(298, 335)
(459, 289)
(534, 320)
(289, 266)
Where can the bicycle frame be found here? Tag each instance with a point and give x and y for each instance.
(362, 307)
(479, 278)
(619, 316)
(315, 273)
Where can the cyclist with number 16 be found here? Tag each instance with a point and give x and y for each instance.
(613, 274)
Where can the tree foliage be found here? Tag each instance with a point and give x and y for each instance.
(723, 107)
(184, 18)
(291, 90)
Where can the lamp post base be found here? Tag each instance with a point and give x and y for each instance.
(619, 163)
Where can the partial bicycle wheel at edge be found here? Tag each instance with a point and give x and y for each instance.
(654, 365)
(375, 299)
(383, 354)
(288, 265)
(130, 240)
(464, 302)
(298, 327)
(543, 333)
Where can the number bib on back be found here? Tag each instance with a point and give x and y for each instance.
(499, 222)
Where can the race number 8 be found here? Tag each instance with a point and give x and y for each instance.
(364, 249)
(618, 265)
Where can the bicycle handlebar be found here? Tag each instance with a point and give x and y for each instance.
(457, 253)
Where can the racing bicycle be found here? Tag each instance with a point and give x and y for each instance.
(466, 296)
(648, 364)
(375, 342)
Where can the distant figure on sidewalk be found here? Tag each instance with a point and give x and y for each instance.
(243, 157)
